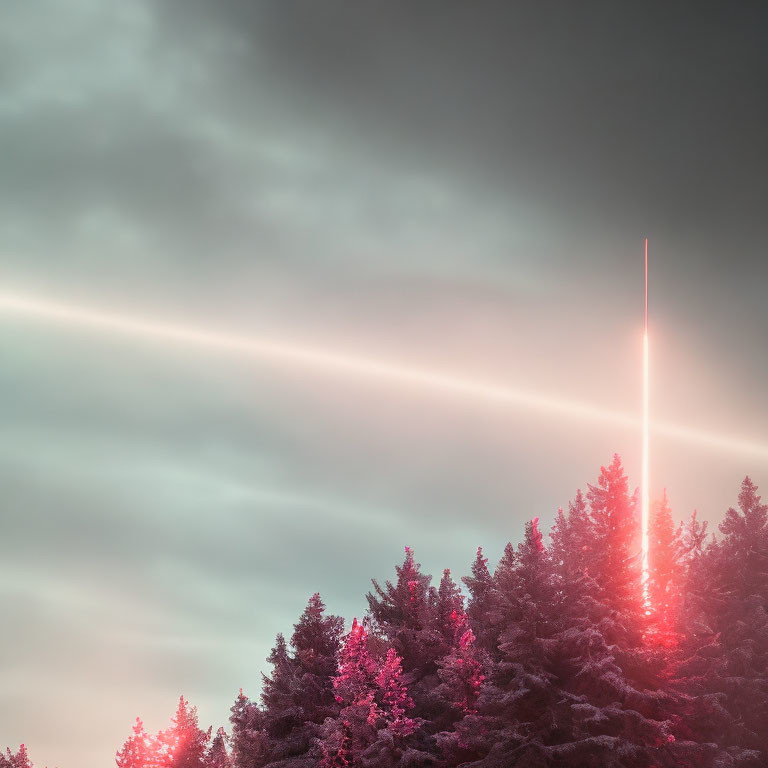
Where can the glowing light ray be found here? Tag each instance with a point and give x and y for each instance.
(290, 353)
(645, 483)
(335, 362)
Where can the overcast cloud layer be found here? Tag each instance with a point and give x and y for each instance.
(433, 183)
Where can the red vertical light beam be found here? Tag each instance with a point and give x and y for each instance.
(645, 500)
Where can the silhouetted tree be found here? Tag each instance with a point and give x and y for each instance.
(449, 606)
(250, 741)
(298, 696)
(217, 755)
(480, 587)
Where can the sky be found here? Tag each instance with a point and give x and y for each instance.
(446, 186)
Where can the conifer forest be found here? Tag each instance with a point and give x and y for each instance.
(561, 657)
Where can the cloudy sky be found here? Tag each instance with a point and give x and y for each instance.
(450, 186)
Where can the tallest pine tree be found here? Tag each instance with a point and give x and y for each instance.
(615, 562)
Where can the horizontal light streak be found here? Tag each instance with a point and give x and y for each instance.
(293, 354)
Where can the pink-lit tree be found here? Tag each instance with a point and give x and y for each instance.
(19, 759)
(462, 673)
(348, 735)
(615, 561)
(665, 570)
(374, 704)
(184, 744)
(393, 696)
(141, 750)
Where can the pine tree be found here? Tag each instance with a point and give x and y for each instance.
(449, 610)
(504, 581)
(721, 662)
(739, 613)
(614, 561)
(562, 693)
(692, 537)
(250, 742)
(692, 620)
(394, 724)
(504, 574)
(404, 613)
(335, 744)
(185, 743)
(354, 681)
(281, 713)
(664, 570)
(572, 540)
(18, 759)
(298, 696)
(374, 719)
(346, 737)
(139, 751)
(744, 562)
(462, 673)
(480, 587)
(315, 642)
(394, 698)
(521, 688)
(217, 755)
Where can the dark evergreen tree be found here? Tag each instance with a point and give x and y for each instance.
(720, 664)
(521, 689)
(480, 588)
(737, 611)
(315, 642)
(504, 579)
(743, 562)
(278, 693)
(562, 693)
(449, 610)
(217, 755)
(504, 576)
(298, 696)
(404, 614)
(250, 741)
